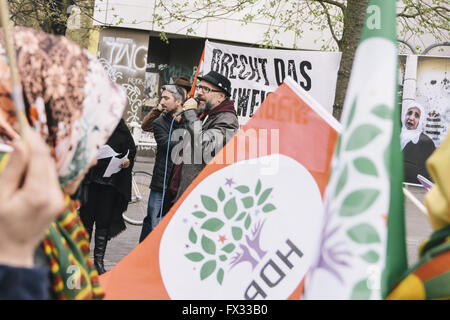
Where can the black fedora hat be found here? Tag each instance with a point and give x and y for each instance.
(219, 81)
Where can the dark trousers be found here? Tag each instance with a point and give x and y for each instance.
(153, 212)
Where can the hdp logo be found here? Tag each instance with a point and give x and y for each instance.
(228, 229)
(241, 235)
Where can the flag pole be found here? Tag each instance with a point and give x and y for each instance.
(415, 201)
(11, 54)
(194, 83)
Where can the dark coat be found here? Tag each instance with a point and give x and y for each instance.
(120, 141)
(161, 127)
(415, 157)
(209, 133)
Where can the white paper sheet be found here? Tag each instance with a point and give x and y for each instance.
(106, 152)
(114, 165)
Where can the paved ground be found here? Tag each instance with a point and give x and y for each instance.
(417, 227)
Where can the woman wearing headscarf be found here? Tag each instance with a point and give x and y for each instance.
(74, 106)
(107, 197)
(416, 145)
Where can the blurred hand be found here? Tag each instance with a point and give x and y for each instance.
(30, 199)
(190, 104)
(160, 107)
(126, 164)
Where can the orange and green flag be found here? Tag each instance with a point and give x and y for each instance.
(362, 251)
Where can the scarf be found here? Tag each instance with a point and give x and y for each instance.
(413, 136)
(75, 107)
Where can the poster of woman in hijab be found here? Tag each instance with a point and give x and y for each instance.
(425, 112)
(416, 145)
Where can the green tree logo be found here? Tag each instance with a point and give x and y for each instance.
(239, 214)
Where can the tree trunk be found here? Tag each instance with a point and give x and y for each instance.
(353, 22)
(81, 33)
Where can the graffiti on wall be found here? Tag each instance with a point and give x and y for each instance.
(169, 73)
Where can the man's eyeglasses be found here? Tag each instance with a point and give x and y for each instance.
(206, 89)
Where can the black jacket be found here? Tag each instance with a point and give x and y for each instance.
(161, 127)
(415, 157)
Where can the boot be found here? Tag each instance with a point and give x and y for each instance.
(101, 239)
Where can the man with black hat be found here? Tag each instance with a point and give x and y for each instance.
(216, 124)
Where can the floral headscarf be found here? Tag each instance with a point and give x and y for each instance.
(69, 98)
(72, 103)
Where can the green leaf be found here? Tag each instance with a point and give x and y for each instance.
(229, 248)
(365, 166)
(213, 225)
(223, 257)
(209, 203)
(199, 214)
(194, 256)
(382, 111)
(338, 146)
(362, 136)
(352, 112)
(358, 202)
(248, 222)
(371, 256)
(220, 275)
(230, 208)
(237, 233)
(208, 245)
(207, 269)
(241, 216)
(192, 235)
(258, 187)
(364, 233)
(342, 181)
(264, 196)
(268, 207)
(361, 291)
(248, 202)
(243, 189)
(221, 194)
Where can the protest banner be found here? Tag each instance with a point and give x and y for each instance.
(256, 72)
(246, 227)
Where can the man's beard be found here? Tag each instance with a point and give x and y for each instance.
(206, 107)
(170, 113)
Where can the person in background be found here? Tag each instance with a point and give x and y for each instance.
(416, 145)
(104, 199)
(216, 124)
(181, 82)
(172, 98)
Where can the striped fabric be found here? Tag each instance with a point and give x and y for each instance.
(430, 277)
(66, 245)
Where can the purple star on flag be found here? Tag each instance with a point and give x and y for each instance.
(229, 181)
